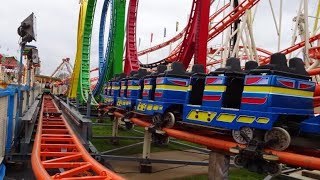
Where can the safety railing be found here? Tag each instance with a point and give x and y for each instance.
(10, 124)
(4, 103)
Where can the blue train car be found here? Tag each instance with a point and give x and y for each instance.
(273, 99)
(130, 90)
(113, 90)
(164, 95)
(271, 102)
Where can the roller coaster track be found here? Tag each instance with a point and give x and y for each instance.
(101, 34)
(293, 48)
(214, 31)
(58, 153)
(187, 45)
(119, 21)
(220, 26)
(104, 58)
(112, 62)
(84, 83)
(180, 35)
(131, 56)
(76, 70)
(231, 18)
(175, 52)
(293, 157)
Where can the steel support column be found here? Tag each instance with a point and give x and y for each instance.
(218, 166)
(115, 127)
(145, 166)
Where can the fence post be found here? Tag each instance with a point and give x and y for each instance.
(10, 111)
(77, 101)
(218, 166)
(21, 98)
(68, 101)
(145, 165)
(89, 105)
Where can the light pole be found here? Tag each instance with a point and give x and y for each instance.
(27, 32)
(32, 58)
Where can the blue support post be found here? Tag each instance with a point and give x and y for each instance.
(10, 120)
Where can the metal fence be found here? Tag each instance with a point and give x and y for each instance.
(3, 122)
(10, 124)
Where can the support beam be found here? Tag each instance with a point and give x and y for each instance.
(145, 165)
(114, 140)
(157, 161)
(218, 166)
(89, 105)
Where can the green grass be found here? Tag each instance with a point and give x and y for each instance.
(234, 174)
(105, 144)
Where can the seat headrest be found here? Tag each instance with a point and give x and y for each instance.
(122, 75)
(233, 64)
(177, 67)
(297, 66)
(198, 68)
(132, 73)
(161, 68)
(279, 59)
(250, 65)
(141, 73)
(118, 77)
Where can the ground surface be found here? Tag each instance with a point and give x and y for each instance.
(19, 172)
(130, 170)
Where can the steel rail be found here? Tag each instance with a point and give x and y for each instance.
(222, 144)
(57, 149)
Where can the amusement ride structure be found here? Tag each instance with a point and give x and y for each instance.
(236, 25)
(270, 101)
(64, 70)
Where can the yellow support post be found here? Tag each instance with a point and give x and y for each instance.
(76, 70)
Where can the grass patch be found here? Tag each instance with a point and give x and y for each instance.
(238, 174)
(234, 174)
(105, 144)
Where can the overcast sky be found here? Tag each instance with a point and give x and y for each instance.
(57, 26)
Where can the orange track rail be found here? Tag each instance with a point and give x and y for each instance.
(57, 149)
(286, 157)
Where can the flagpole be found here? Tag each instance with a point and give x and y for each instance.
(164, 33)
(148, 53)
(149, 47)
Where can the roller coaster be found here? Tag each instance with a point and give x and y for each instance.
(257, 103)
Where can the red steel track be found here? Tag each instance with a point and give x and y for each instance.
(180, 35)
(187, 48)
(57, 152)
(231, 18)
(293, 48)
(131, 61)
